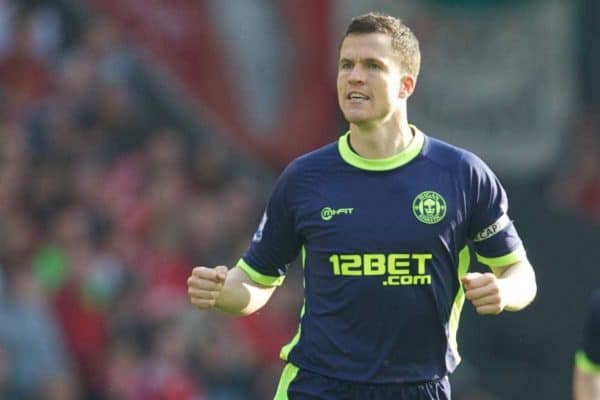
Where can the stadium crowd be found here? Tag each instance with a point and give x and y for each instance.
(576, 185)
(102, 216)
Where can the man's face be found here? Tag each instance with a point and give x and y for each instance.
(369, 78)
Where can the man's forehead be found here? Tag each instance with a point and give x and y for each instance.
(366, 45)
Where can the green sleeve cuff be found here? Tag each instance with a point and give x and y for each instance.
(505, 260)
(257, 277)
(584, 364)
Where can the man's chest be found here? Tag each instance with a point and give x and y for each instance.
(381, 212)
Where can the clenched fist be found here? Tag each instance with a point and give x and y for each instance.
(205, 285)
(484, 291)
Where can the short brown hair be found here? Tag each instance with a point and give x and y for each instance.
(404, 40)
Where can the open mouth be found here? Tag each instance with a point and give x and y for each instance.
(357, 96)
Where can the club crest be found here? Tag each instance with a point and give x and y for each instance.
(429, 207)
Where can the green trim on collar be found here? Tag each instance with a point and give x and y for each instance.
(383, 164)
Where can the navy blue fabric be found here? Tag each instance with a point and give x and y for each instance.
(359, 328)
(591, 340)
(310, 386)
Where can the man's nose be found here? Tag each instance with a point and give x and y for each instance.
(356, 75)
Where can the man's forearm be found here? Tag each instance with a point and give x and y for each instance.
(518, 283)
(586, 386)
(242, 296)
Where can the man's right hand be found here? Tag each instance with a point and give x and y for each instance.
(205, 285)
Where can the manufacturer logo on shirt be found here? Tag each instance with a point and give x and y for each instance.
(429, 207)
(327, 213)
(259, 231)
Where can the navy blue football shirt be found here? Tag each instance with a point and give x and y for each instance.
(383, 245)
(588, 357)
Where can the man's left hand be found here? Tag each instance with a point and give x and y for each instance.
(484, 291)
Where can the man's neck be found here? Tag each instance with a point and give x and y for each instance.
(383, 141)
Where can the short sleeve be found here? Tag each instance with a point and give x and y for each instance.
(275, 243)
(588, 357)
(491, 230)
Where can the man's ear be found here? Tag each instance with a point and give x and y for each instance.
(407, 86)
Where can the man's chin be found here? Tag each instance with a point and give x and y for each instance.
(356, 119)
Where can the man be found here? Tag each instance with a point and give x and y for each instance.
(381, 218)
(586, 374)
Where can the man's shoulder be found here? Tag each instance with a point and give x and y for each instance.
(307, 168)
(448, 155)
(456, 160)
(319, 158)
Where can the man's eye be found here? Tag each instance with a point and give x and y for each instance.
(373, 66)
(345, 65)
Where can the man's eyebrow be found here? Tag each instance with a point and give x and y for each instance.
(375, 60)
(370, 59)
